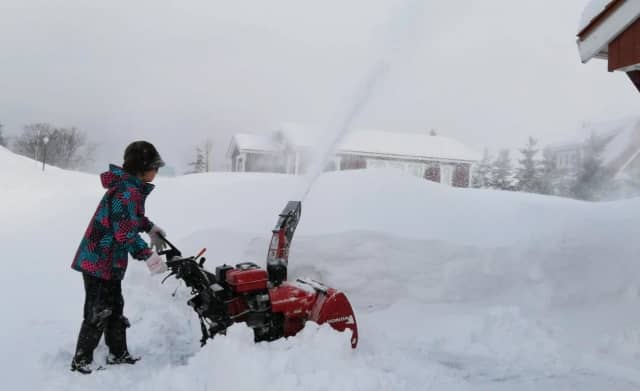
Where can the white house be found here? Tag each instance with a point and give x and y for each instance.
(290, 150)
(620, 154)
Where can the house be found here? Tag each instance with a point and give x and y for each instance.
(610, 30)
(291, 149)
(620, 149)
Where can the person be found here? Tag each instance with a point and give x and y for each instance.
(102, 255)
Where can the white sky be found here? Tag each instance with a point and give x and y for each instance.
(489, 73)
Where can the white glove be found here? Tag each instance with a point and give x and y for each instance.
(156, 241)
(156, 265)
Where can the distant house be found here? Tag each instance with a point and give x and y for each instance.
(290, 150)
(620, 155)
(610, 30)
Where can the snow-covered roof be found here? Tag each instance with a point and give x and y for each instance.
(418, 145)
(593, 9)
(255, 142)
(596, 33)
(422, 145)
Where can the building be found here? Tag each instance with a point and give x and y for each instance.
(610, 30)
(620, 149)
(291, 149)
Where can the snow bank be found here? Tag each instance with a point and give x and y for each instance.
(453, 288)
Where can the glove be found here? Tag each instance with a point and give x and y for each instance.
(155, 264)
(156, 241)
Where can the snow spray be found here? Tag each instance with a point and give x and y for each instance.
(397, 34)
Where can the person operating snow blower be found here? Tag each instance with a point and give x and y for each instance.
(102, 257)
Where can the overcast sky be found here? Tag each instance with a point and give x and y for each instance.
(489, 73)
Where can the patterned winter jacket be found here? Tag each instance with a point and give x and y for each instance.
(115, 227)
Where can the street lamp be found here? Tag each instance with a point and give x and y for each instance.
(45, 141)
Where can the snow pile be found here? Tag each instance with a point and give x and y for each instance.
(454, 289)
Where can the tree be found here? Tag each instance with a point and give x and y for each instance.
(548, 173)
(528, 174)
(202, 162)
(482, 174)
(67, 148)
(29, 143)
(502, 172)
(592, 178)
(207, 146)
(3, 140)
(199, 164)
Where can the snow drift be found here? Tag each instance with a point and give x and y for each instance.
(453, 288)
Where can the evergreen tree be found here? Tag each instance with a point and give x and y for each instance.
(482, 173)
(200, 164)
(529, 173)
(592, 178)
(548, 173)
(3, 140)
(502, 172)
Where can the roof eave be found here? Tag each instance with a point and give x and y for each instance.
(404, 157)
(595, 42)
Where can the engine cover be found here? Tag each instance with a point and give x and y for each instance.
(247, 277)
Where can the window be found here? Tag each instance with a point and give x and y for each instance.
(352, 162)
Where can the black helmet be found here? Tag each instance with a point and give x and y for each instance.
(140, 157)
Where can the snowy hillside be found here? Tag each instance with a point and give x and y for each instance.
(454, 289)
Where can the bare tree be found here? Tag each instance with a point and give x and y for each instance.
(70, 148)
(30, 142)
(67, 148)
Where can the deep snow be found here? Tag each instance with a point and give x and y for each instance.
(454, 289)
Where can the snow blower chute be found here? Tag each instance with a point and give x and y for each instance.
(263, 299)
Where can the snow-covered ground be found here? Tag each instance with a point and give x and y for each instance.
(454, 289)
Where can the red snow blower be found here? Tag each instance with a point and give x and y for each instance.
(269, 304)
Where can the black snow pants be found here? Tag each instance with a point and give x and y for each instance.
(103, 313)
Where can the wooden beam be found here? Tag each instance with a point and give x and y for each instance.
(635, 78)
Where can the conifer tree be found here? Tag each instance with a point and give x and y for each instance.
(482, 173)
(529, 173)
(502, 172)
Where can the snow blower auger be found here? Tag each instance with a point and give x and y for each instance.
(269, 304)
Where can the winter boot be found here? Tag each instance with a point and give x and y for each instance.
(115, 336)
(88, 340)
(81, 366)
(126, 358)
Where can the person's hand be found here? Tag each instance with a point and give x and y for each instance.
(156, 265)
(157, 243)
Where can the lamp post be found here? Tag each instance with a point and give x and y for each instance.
(45, 141)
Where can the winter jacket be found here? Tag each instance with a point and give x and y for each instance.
(115, 227)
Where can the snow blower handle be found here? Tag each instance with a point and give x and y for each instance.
(172, 252)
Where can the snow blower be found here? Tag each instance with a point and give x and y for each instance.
(263, 299)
